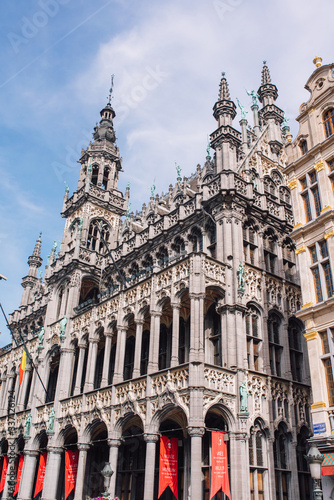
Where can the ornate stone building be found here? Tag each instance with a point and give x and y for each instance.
(311, 180)
(201, 298)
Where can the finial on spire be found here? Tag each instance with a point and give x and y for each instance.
(317, 61)
(224, 93)
(265, 74)
(242, 109)
(111, 89)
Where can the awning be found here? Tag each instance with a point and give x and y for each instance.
(327, 468)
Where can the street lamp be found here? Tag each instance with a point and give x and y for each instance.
(106, 472)
(314, 459)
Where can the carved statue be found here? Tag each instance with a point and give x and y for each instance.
(127, 215)
(54, 245)
(208, 150)
(179, 170)
(241, 277)
(243, 398)
(41, 337)
(152, 191)
(51, 420)
(28, 425)
(62, 324)
(254, 95)
(285, 120)
(242, 109)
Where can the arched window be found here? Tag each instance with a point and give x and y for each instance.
(282, 474)
(196, 238)
(53, 376)
(269, 186)
(257, 462)
(275, 347)
(95, 237)
(250, 244)
(88, 291)
(303, 147)
(296, 351)
(304, 477)
(95, 175)
(105, 178)
(147, 263)
(178, 246)
(212, 326)
(253, 337)
(129, 357)
(270, 251)
(145, 345)
(329, 122)
(162, 256)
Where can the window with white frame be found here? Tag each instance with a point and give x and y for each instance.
(321, 270)
(310, 195)
(327, 358)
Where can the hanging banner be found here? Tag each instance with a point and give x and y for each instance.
(168, 465)
(19, 474)
(3, 473)
(40, 473)
(71, 470)
(219, 470)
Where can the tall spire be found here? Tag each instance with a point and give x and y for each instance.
(35, 260)
(224, 110)
(224, 93)
(265, 74)
(267, 91)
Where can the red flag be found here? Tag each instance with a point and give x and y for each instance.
(22, 366)
(19, 474)
(3, 473)
(40, 473)
(71, 469)
(168, 465)
(219, 470)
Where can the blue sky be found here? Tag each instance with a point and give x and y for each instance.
(56, 59)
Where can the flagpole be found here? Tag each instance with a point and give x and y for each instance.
(25, 347)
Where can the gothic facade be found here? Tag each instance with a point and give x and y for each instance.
(195, 298)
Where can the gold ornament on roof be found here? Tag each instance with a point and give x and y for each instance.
(317, 61)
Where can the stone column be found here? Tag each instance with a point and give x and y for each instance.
(23, 389)
(175, 335)
(196, 434)
(83, 449)
(78, 377)
(114, 445)
(151, 440)
(28, 474)
(91, 363)
(153, 360)
(52, 472)
(64, 375)
(196, 327)
(120, 353)
(106, 359)
(139, 336)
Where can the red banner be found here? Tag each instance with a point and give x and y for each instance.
(168, 465)
(41, 473)
(71, 470)
(19, 474)
(219, 470)
(3, 473)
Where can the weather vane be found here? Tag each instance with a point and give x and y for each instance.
(111, 89)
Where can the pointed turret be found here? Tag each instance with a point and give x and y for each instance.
(225, 140)
(34, 261)
(267, 91)
(224, 110)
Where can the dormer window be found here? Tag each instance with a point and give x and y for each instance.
(303, 147)
(329, 122)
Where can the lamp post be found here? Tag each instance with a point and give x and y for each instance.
(106, 472)
(314, 459)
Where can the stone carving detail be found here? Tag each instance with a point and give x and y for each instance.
(274, 208)
(138, 388)
(257, 388)
(82, 321)
(71, 407)
(189, 208)
(241, 186)
(85, 254)
(99, 400)
(164, 279)
(211, 398)
(214, 187)
(143, 237)
(213, 271)
(173, 218)
(97, 212)
(253, 283)
(178, 379)
(274, 292)
(293, 298)
(219, 380)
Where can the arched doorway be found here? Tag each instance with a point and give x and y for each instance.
(130, 478)
(214, 421)
(70, 444)
(97, 456)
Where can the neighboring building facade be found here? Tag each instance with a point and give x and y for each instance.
(311, 179)
(209, 303)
